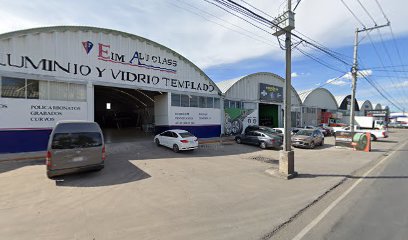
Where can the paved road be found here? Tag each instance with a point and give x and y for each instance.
(376, 209)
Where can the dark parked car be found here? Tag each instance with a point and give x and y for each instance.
(308, 138)
(260, 138)
(261, 128)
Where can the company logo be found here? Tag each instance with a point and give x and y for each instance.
(87, 46)
(135, 59)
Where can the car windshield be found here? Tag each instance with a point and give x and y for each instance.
(76, 140)
(186, 134)
(304, 132)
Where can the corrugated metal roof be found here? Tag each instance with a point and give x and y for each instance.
(304, 93)
(340, 99)
(227, 84)
(52, 29)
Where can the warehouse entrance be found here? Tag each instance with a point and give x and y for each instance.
(268, 115)
(124, 114)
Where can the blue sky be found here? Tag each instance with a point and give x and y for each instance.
(226, 47)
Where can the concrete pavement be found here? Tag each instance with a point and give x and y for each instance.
(146, 192)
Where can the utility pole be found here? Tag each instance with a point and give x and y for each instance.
(354, 72)
(284, 24)
(354, 82)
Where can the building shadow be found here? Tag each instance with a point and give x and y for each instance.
(6, 166)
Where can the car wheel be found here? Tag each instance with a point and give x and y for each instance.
(373, 138)
(238, 140)
(322, 142)
(312, 145)
(157, 141)
(176, 148)
(262, 145)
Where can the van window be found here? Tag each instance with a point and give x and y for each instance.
(76, 140)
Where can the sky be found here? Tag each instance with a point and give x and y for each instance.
(226, 47)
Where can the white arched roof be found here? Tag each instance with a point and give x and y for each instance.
(365, 105)
(320, 98)
(246, 88)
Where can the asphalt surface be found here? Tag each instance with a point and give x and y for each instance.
(375, 209)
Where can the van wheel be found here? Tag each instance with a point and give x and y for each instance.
(157, 142)
(238, 140)
(176, 148)
(50, 176)
(262, 145)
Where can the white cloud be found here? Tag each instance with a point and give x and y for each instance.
(401, 84)
(181, 26)
(338, 82)
(294, 74)
(346, 78)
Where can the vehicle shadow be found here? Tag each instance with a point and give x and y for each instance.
(6, 166)
(116, 171)
(386, 141)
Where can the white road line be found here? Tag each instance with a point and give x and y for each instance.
(312, 224)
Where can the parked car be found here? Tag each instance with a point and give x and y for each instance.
(176, 139)
(260, 138)
(75, 146)
(375, 134)
(308, 138)
(265, 129)
(261, 128)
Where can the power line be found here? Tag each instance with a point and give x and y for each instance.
(385, 97)
(368, 35)
(352, 13)
(264, 40)
(317, 60)
(365, 10)
(254, 16)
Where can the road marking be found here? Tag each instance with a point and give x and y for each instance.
(312, 224)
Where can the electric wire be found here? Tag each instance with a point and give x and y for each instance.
(263, 40)
(248, 13)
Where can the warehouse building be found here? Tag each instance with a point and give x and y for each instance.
(119, 80)
(319, 106)
(256, 99)
(364, 106)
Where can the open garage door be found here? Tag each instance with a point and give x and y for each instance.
(124, 114)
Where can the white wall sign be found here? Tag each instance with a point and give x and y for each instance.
(22, 113)
(182, 116)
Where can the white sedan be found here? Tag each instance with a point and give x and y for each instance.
(177, 140)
